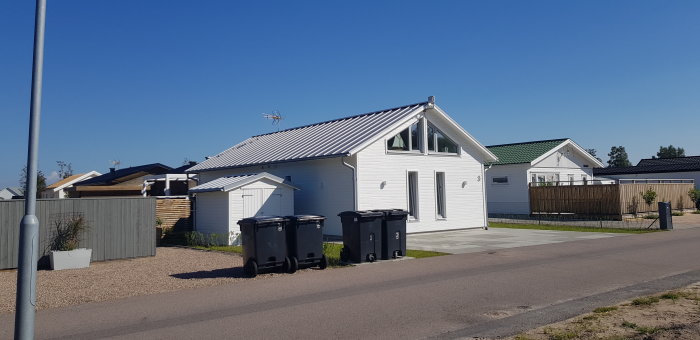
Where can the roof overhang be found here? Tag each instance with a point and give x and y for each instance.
(568, 142)
(243, 182)
(465, 138)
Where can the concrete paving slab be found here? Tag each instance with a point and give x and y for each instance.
(478, 240)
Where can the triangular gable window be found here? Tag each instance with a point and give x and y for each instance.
(438, 138)
(409, 139)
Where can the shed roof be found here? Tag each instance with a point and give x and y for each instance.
(229, 183)
(526, 152)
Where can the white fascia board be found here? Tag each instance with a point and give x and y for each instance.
(392, 127)
(488, 155)
(88, 175)
(578, 148)
(260, 176)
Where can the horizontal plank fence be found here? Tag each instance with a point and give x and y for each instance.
(118, 227)
(174, 213)
(606, 200)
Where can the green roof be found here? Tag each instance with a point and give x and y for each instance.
(527, 152)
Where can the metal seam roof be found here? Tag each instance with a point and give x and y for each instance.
(326, 139)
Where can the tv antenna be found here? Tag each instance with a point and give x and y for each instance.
(275, 116)
(115, 164)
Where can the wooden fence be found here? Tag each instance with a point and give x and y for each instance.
(609, 200)
(174, 213)
(118, 227)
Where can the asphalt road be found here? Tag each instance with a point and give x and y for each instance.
(493, 293)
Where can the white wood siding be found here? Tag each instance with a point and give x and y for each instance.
(464, 204)
(326, 186)
(212, 213)
(511, 197)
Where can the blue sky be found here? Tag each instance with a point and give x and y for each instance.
(162, 81)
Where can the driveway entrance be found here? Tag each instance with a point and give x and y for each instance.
(478, 240)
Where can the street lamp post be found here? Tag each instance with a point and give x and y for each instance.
(29, 227)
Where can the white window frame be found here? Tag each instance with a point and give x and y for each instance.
(416, 210)
(409, 142)
(438, 216)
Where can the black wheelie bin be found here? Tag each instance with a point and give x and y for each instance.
(305, 241)
(362, 236)
(393, 233)
(264, 244)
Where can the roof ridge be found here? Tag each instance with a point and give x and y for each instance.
(531, 142)
(659, 158)
(342, 118)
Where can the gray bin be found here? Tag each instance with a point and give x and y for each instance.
(665, 216)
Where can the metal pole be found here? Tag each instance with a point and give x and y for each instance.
(29, 227)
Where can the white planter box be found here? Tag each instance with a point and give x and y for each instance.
(71, 259)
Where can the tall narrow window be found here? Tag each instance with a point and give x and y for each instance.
(413, 194)
(440, 194)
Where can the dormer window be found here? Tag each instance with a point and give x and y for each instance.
(438, 142)
(409, 139)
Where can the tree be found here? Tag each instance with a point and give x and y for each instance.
(618, 157)
(649, 196)
(40, 181)
(593, 153)
(694, 195)
(669, 152)
(65, 170)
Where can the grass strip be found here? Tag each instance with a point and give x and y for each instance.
(331, 250)
(571, 228)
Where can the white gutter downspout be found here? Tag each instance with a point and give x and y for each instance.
(483, 188)
(354, 182)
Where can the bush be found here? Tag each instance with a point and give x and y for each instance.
(67, 232)
(195, 238)
(694, 195)
(649, 196)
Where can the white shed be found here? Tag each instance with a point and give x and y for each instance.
(221, 203)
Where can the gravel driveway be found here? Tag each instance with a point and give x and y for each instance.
(171, 269)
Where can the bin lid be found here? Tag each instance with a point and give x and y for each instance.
(362, 213)
(392, 212)
(260, 220)
(306, 218)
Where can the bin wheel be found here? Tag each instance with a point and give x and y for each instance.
(371, 258)
(396, 254)
(287, 266)
(251, 268)
(294, 264)
(324, 262)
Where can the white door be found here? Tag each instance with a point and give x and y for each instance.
(252, 202)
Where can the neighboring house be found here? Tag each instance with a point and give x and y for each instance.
(413, 157)
(172, 184)
(222, 202)
(130, 182)
(545, 162)
(58, 189)
(657, 168)
(11, 192)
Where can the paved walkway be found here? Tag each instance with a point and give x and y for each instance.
(478, 240)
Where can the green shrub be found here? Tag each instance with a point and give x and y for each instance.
(195, 238)
(651, 216)
(649, 196)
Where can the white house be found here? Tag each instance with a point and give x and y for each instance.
(220, 203)
(58, 189)
(657, 168)
(413, 157)
(555, 162)
(8, 193)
